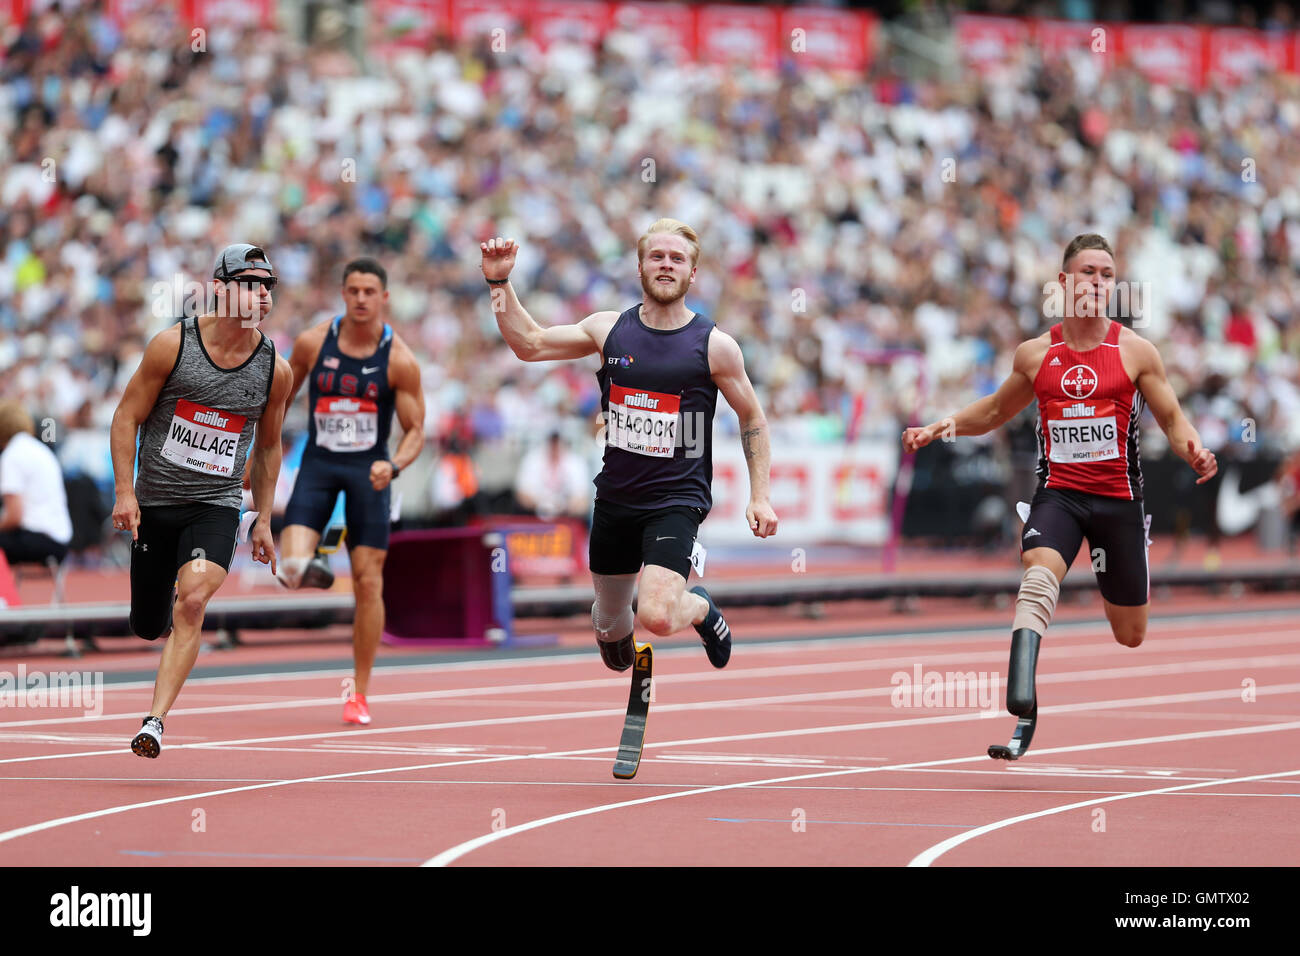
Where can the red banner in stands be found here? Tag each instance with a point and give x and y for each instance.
(985, 42)
(828, 38)
(574, 21)
(407, 23)
(1236, 55)
(249, 13)
(1055, 38)
(1165, 54)
(731, 34)
(479, 18)
(669, 27)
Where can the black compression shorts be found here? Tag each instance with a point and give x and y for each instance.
(1116, 530)
(623, 539)
(171, 536)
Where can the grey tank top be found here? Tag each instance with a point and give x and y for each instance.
(196, 439)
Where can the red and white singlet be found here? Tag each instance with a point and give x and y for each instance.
(1088, 419)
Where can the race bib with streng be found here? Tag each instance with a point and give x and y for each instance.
(1082, 431)
(643, 422)
(203, 439)
(346, 424)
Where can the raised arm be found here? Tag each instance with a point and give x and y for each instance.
(526, 338)
(991, 411)
(727, 365)
(404, 375)
(138, 400)
(1159, 394)
(267, 454)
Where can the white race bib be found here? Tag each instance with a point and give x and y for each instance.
(346, 424)
(643, 422)
(1082, 431)
(203, 439)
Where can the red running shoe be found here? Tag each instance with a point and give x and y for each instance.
(355, 710)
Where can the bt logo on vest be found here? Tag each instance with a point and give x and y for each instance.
(623, 362)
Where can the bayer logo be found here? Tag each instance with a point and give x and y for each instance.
(1079, 382)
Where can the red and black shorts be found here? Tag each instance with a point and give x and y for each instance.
(1116, 530)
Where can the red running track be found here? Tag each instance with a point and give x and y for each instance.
(1185, 751)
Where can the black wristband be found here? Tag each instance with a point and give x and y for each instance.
(396, 471)
(498, 281)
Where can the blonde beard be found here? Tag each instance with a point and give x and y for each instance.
(648, 285)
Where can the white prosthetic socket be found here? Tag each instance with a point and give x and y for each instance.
(611, 615)
(290, 572)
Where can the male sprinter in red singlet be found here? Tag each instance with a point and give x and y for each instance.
(1091, 377)
(662, 367)
(359, 371)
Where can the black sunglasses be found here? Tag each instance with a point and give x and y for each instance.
(267, 282)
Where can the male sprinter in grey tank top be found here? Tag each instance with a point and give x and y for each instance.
(205, 387)
(652, 492)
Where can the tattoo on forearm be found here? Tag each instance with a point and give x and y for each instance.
(747, 439)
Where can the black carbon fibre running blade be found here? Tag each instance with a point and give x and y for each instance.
(1020, 739)
(638, 708)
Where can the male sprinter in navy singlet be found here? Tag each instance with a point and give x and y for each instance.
(662, 367)
(358, 371)
(1091, 377)
(203, 387)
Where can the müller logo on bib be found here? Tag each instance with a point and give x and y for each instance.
(203, 439)
(1079, 382)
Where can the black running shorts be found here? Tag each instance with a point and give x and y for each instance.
(170, 536)
(623, 539)
(1116, 530)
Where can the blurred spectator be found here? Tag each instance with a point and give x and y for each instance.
(35, 524)
(455, 484)
(553, 481)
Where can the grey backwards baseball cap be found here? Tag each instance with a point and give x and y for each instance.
(238, 258)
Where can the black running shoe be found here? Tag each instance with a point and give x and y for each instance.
(714, 632)
(617, 655)
(318, 574)
(148, 742)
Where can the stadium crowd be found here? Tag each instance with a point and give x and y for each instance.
(842, 218)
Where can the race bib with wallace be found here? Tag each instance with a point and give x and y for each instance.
(1089, 411)
(658, 400)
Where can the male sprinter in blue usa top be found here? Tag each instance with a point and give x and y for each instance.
(358, 372)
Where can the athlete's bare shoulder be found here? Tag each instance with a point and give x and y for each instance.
(402, 360)
(1139, 355)
(313, 335)
(724, 351)
(1030, 354)
(161, 353)
(597, 326)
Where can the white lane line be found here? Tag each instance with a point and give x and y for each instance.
(672, 680)
(1146, 701)
(939, 849)
(449, 856)
(1265, 634)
